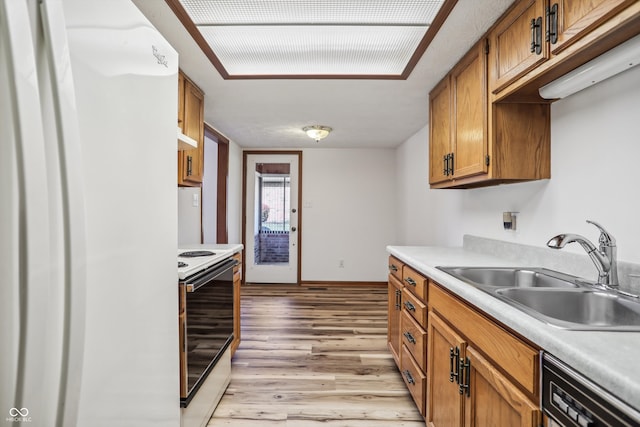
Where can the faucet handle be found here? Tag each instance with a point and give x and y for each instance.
(606, 239)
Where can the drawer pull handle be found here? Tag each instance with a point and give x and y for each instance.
(454, 353)
(408, 376)
(409, 306)
(465, 373)
(393, 267)
(409, 337)
(552, 24)
(536, 35)
(410, 281)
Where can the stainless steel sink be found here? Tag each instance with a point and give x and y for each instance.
(553, 297)
(517, 277)
(586, 309)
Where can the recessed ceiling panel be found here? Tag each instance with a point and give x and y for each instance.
(266, 38)
(315, 50)
(381, 12)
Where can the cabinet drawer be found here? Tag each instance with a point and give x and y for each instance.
(415, 282)
(414, 378)
(395, 267)
(414, 337)
(416, 308)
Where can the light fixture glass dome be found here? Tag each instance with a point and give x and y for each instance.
(317, 132)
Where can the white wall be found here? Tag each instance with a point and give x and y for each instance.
(347, 213)
(595, 174)
(234, 194)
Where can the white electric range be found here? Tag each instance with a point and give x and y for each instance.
(193, 260)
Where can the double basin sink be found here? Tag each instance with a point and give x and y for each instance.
(556, 298)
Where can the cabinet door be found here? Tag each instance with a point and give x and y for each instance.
(394, 310)
(181, 100)
(511, 43)
(445, 349)
(576, 18)
(191, 167)
(493, 400)
(439, 131)
(469, 130)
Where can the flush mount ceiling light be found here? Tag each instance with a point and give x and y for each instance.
(313, 38)
(317, 132)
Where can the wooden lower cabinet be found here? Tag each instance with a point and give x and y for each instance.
(464, 388)
(445, 348)
(394, 311)
(462, 368)
(493, 400)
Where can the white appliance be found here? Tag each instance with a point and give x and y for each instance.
(88, 214)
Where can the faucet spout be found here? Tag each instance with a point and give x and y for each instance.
(603, 257)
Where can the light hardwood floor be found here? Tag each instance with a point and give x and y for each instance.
(315, 356)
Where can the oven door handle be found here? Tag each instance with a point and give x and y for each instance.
(206, 276)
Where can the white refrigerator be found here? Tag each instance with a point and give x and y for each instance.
(88, 216)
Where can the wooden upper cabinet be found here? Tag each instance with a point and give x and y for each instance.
(439, 131)
(458, 120)
(191, 162)
(476, 143)
(517, 43)
(573, 19)
(469, 131)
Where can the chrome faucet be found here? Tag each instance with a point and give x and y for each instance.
(604, 257)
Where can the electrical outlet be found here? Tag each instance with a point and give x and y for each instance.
(341, 263)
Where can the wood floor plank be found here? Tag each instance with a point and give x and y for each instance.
(315, 356)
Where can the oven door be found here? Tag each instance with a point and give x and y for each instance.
(206, 324)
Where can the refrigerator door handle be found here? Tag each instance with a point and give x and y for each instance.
(68, 130)
(29, 367)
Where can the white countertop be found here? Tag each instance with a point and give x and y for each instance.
(609, 359)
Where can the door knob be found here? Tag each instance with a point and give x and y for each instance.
(293, 210)
(293, 229)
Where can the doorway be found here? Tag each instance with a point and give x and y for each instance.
(271, 229)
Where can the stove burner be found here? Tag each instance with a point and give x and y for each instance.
(193, 254)
(182, 264)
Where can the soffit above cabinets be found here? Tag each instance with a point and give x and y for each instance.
(261, 39)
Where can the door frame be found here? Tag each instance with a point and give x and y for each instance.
(245, 154)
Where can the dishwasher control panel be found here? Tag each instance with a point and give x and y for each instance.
(573, 400)
(570, 407)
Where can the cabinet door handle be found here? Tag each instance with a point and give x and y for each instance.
(409, 306)
(409, 337)
(551, 34)
(408, 376)
(465, 374)
(454, 358)
(536, 35)
(189, 165)
(450, 163)
(398, 300)
(410, 281)
(445, 160)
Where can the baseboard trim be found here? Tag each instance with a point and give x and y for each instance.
(308, 283)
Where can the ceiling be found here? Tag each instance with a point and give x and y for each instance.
(270, 113)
